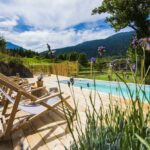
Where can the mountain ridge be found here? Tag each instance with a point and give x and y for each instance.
(10, 45)
(115, 45)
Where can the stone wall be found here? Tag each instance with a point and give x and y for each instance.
(10, 69)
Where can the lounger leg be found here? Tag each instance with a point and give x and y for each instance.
(67, 104)
(13, 113)
(5, 107)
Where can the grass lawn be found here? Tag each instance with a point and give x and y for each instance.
(33, 61)
(108, 75)
(39, 61)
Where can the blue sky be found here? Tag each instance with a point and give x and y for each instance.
(33, 23)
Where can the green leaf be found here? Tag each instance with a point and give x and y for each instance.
(143, 141)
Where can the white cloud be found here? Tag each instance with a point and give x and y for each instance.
(37, 39)
(51, 13)
(50, 20)
(8, 23)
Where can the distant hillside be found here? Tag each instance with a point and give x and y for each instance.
(115, 45)
(10, 45)
(13, 50)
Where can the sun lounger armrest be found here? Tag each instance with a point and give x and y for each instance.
(36, 89)
(47, 98)
(32, 83)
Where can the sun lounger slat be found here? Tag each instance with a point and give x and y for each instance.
(25, 118)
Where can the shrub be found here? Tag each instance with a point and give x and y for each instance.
(120, 127)
(83, 59)
(15, 62)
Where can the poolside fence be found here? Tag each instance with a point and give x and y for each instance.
(64, 69)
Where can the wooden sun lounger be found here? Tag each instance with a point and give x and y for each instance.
(36, 106)
(18, 80)
(38, 91)
(23, 83)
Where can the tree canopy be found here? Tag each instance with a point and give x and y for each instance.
(71, 56)
(2, 44)
(75, 56)
(131, 13)
(83, 59)
(22, 52)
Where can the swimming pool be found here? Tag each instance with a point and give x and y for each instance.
(114, 88)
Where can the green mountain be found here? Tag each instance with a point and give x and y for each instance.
(115, 45)
(12, 46)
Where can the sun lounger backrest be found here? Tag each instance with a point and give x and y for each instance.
(8, 80)
(14, 87)
(32, 109)
(7, 96)
(14, 94)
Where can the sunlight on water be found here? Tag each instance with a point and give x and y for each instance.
(114, 88)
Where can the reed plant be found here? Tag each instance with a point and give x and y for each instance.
(124, 125)
(63, 68)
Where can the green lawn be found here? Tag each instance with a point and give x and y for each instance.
(108, 75)
(6, 58)
(27, 61)
(36, 61)
(85, 72)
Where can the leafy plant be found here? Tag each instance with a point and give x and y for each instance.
(15, 61)
(123, 13)
(83, 60)
(2, 44)
(123, 125)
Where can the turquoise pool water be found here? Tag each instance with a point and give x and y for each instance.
(114, 88)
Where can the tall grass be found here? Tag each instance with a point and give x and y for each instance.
(64, 68)
(124, 125)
